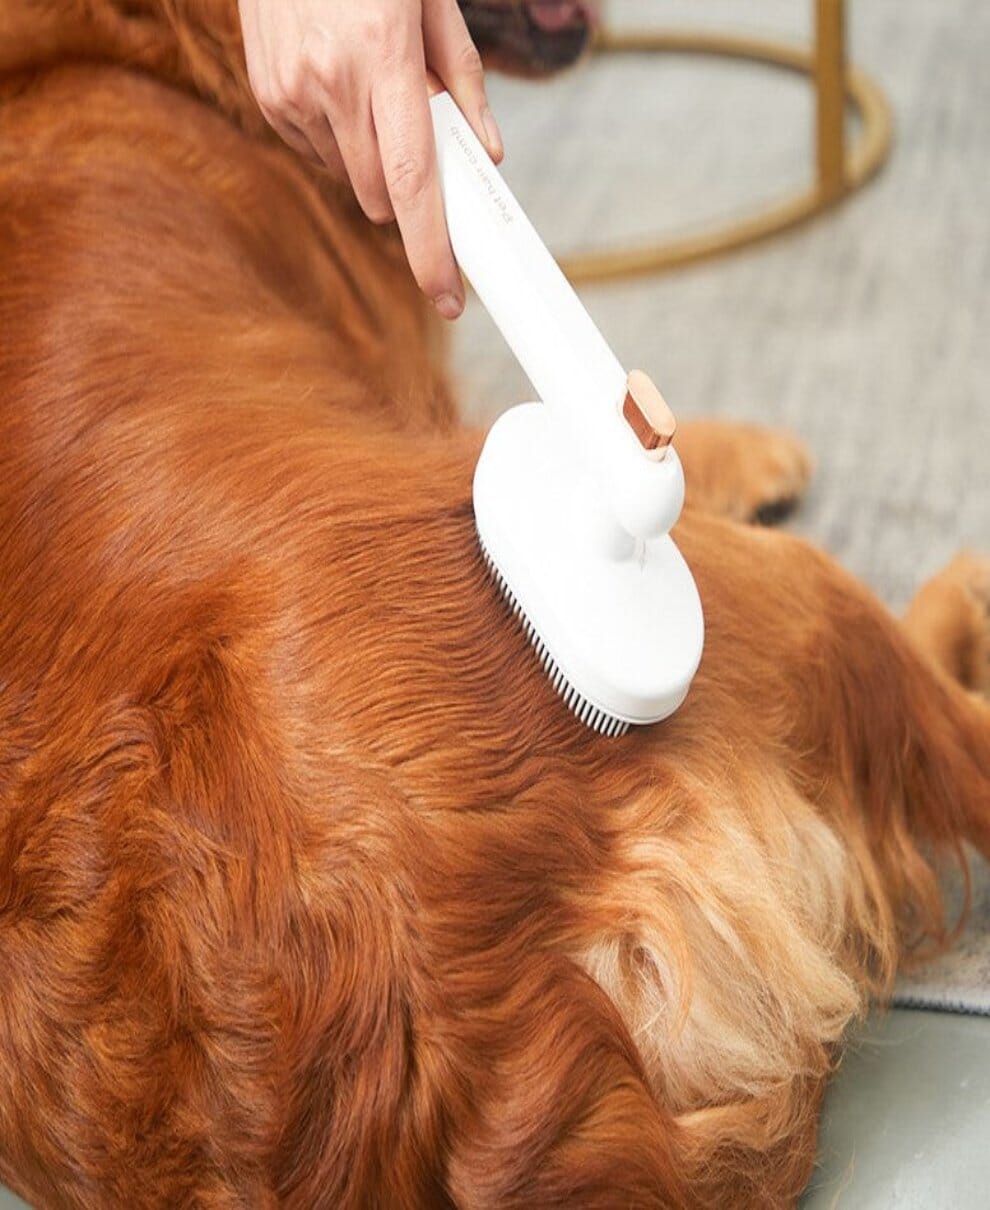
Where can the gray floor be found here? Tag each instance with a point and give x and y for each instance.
(906, 1122)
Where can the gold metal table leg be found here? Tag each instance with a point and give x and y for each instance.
(839, 169)
(830, 116)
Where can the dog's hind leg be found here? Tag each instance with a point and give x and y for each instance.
(742, 471)
(927, 745)
(949, 619)
(894, 752)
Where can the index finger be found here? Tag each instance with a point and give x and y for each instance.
(401, 112)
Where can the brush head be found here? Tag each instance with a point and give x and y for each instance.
(583, 710)
(615, 620)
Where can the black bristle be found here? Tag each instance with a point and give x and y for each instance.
(585, 712)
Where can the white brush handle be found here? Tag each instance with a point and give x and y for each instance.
(553, 337)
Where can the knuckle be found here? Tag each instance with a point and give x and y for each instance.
(374, 200)
(332, 78)
(378, 31)
(258, 83)
(432, 274)
(432, 284)
(317, 60)
(468, 60)
(290, 88)
(407, 178)
(264, 94)
(379, 213)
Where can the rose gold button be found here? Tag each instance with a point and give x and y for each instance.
(646, 412)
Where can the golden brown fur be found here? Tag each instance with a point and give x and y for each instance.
(311, 891)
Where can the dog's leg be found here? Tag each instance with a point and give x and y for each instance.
(901, 719)
(949, 620)
(742, 471)
(892, 751)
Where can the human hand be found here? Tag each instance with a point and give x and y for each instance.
(344, 83)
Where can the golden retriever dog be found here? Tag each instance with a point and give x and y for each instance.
(312, 892)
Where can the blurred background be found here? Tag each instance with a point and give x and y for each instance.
(866, 332)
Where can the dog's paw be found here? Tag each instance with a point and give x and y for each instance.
(744, 471)
(777, 477)
(950, 617)
(972, 573)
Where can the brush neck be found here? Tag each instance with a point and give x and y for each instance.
(570, 364)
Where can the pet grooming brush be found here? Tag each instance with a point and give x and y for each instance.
(574, 497)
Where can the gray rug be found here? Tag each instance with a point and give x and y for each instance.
(958, 981)
(867, 332)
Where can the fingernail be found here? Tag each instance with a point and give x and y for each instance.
(495, 146)
(449, 305)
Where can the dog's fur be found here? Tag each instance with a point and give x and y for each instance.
(311, 891)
